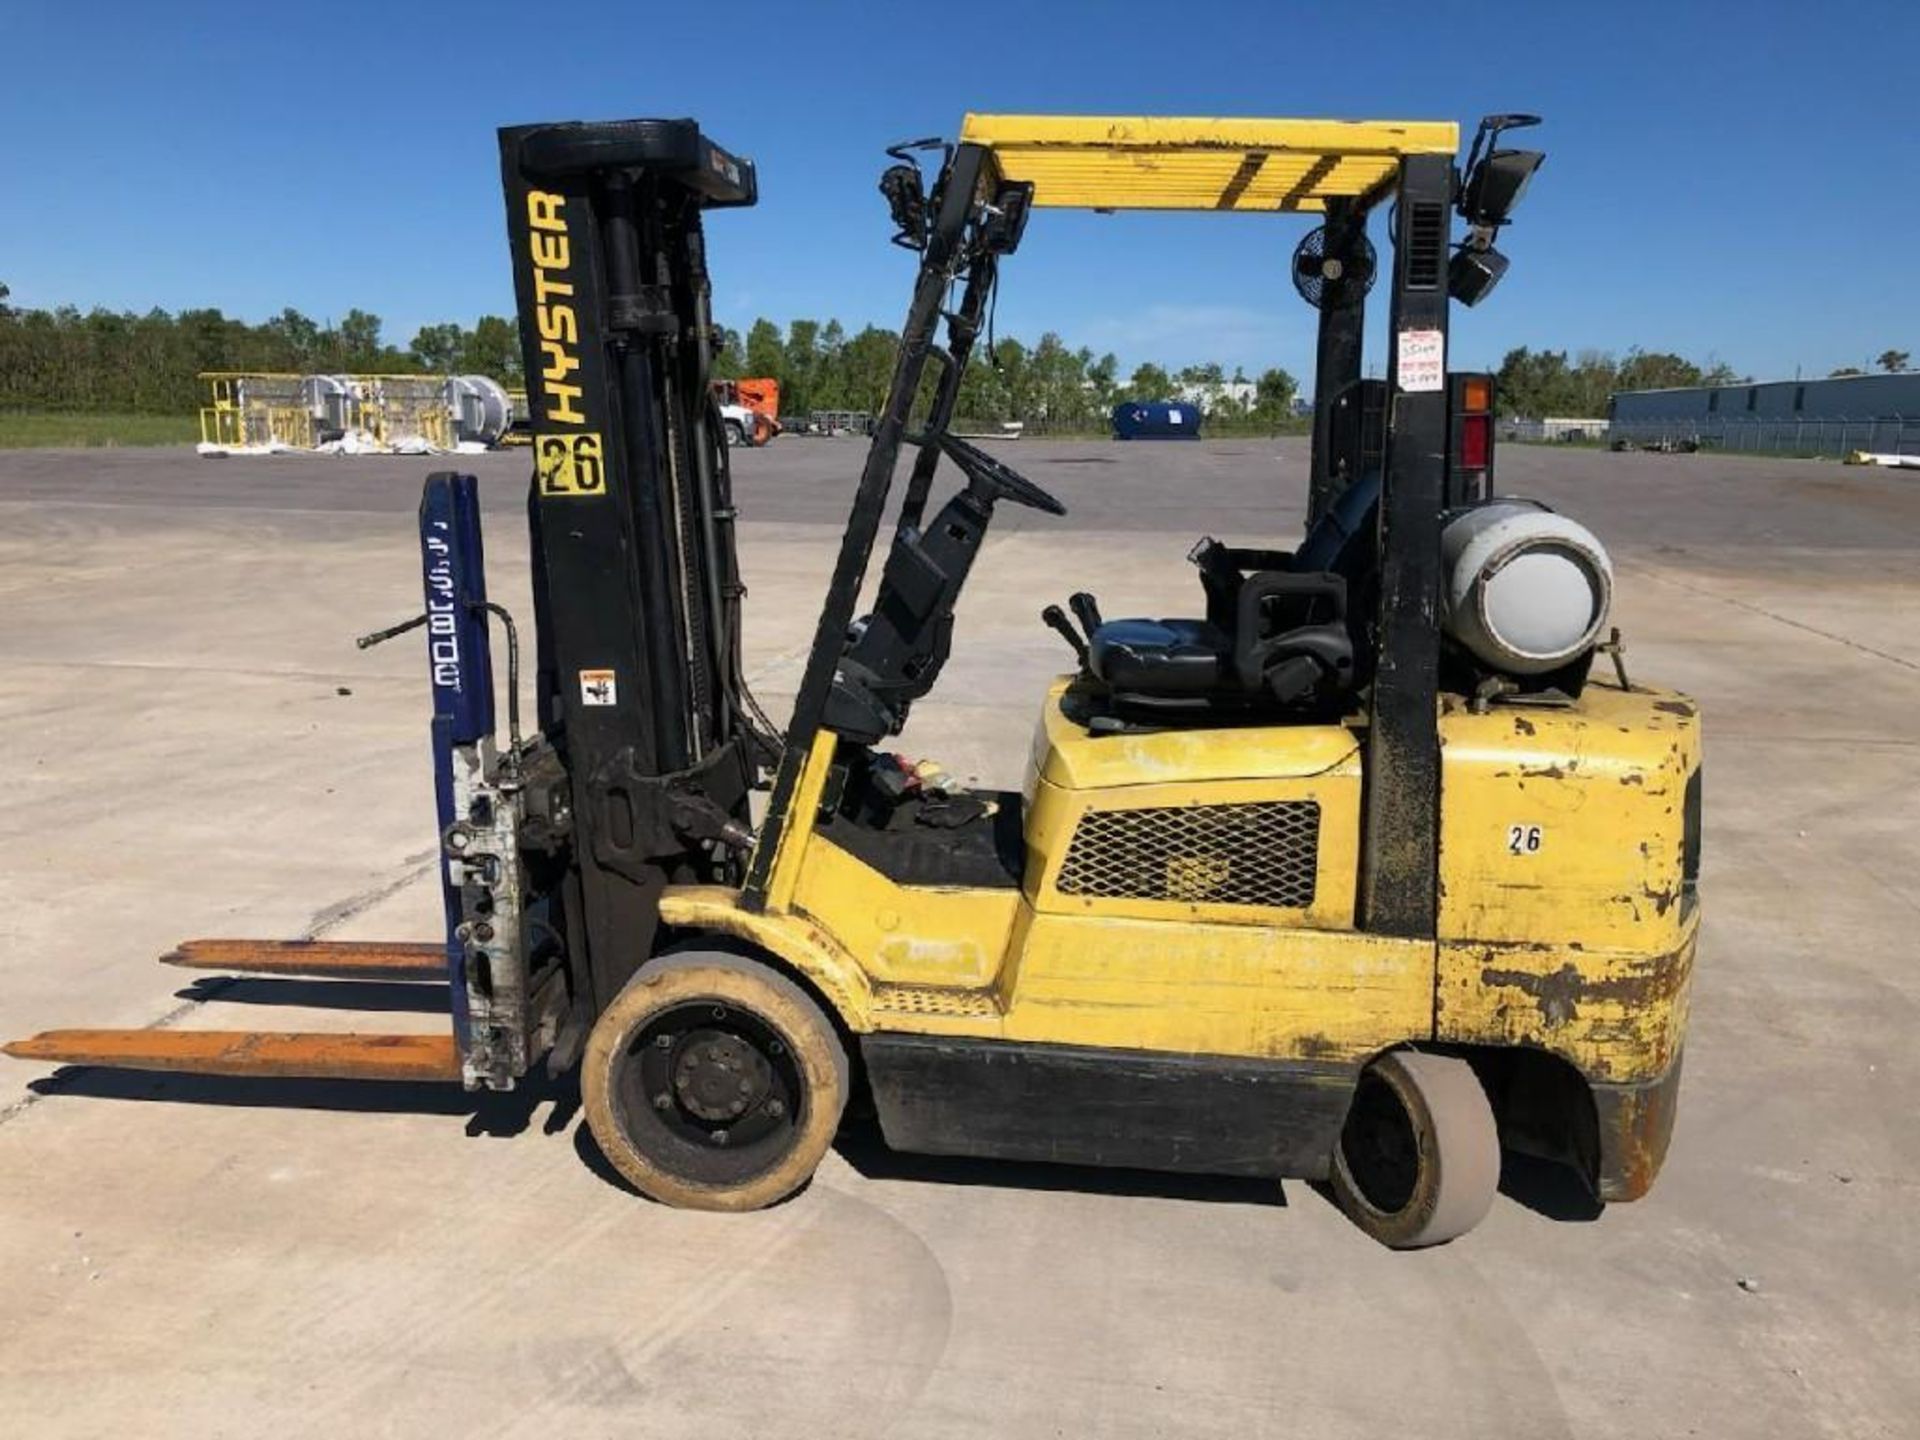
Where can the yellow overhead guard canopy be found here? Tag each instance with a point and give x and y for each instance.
(1105, 162)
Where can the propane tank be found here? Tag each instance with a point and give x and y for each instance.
(1525, 590)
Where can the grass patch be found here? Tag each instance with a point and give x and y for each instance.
(22, 429)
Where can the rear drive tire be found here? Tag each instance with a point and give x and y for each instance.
(736, 436)
(713, 1082)
(1418, 1161)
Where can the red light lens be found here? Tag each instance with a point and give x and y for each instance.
(1476, 441)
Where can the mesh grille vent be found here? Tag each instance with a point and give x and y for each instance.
(932, 1000)
(1426, 245)
(1259, 854)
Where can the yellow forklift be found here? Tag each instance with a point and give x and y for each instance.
(1357, 874)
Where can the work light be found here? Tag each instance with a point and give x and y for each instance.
(1496, 178)
(1472, 274)
(1495, 185)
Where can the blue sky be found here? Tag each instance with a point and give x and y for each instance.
(1733, 181)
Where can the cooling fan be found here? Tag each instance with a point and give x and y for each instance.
(1332, 281)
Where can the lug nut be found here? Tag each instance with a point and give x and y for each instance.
(664, 1042)
(663, 1101)
(776, 1109)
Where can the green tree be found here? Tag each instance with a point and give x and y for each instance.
(766, 355)
(869, 368)
(1893, 361)
(438, 348)
(1149, 382)
(1844, 371)
(1103, 380)
(804, 367)
(299, 336)
(1655, 370)
(359, 340)
(729, 354)
(492, 348)
(1273, 394)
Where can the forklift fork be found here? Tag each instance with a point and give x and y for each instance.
(461, 671)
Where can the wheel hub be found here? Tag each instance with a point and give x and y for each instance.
(719, 1077)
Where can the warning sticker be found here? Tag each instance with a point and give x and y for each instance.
(1422, 361)
(597, 687)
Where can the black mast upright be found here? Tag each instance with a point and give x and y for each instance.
(1400, 871)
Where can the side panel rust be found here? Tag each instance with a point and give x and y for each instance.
(1562, 826)
(1636, 1123)
(1615, 1015)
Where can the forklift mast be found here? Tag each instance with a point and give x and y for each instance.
(635, 579)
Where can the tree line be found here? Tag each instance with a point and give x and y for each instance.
(107, 360)
(1539, 383)
(65, 359)
(104, 360)
(1048, 384)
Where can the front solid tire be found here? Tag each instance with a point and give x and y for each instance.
(1418, 1161)
(713, 1082)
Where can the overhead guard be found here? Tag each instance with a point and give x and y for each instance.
(1203, 163)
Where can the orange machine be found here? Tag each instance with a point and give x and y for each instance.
(761, 397)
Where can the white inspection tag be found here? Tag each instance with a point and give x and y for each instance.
(598, 687)
(1422, 361)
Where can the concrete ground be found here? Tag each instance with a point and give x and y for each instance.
(194, 747)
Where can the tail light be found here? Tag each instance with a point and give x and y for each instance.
(1476, 441)
(1470, 421)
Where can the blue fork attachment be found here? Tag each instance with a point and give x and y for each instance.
(460, 664)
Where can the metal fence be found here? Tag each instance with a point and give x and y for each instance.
(1572, 431)
(1778, 435)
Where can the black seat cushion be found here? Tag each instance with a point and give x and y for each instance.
(1162, 657)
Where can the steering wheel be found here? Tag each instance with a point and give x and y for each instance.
(996, 480)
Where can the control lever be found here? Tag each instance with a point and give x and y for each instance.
(1086, 610)
(1056, 620)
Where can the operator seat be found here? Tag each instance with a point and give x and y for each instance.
(1276, 630)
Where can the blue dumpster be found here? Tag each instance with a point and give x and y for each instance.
(1156, 420)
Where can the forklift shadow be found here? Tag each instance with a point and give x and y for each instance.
(1549, 1189)
(367, 996)
(862, 1147)
(489, 1113)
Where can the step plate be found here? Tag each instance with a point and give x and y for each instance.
(283, 1054)
(358, 959)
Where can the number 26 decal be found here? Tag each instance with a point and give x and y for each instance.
(1524, 839)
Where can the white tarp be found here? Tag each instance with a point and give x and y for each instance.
(354, 442)
(1894, 462)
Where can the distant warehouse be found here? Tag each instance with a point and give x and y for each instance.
(1847, 412)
